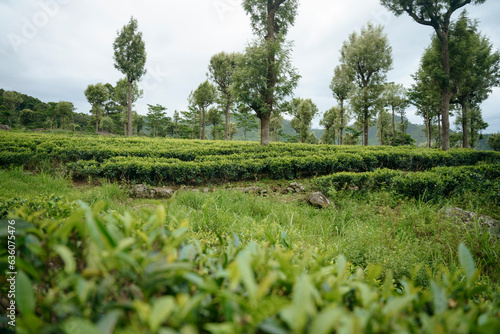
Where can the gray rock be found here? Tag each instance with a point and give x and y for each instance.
(296, 187)
(252, 189)
(469, 218)
(141, 191)
(4, 127)
(319, 200)
(162, 192)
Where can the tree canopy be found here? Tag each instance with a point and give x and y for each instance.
(368, 57)
(130, 58)
(436, 14)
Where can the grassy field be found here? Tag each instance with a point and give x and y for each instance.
(375, 231)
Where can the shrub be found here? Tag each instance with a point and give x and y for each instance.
(102, 272)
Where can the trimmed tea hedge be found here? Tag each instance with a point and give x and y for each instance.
(435, 183)
(158, 160)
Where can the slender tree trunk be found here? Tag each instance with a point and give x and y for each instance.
(201, 125)
(265, 120)
(439, 130)
(365, 130)
(270, 38)
(203, 133)
(129, 102)
(428, 123)
(245, 133)
(465, 125)
(403, 128)
(446, 93)
(228, 106)
(341, 129)
(125, 129)
(96, 126)
(393, 125)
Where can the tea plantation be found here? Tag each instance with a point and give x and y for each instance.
(382, 259)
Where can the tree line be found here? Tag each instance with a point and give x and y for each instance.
(254, 89)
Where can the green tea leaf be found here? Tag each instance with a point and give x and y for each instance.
(108, 322)
(78, 325)
(67, 256)
(439, 298)
(467, 262)
(161, 310)
(25, 297)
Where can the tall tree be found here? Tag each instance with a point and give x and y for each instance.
(330, 121)
(65, 110)
(120, 96)
(265, 75)
(130, 59)
(12, 100)
(156, 116)
(222, 67)
(494, 141)
(245, 120)
(395, 98)
(203, 97)
(384, 134)
(475, 69)
(96, 95)
(436, 14)
(424, 94)
(303, 112)
(475, 126)
(191, 119)
(368, 56)
(342, 87)
(176, 119)
(214, 118)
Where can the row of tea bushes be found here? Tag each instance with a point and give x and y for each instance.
(28, 148)
(99, 272)
(432, 184)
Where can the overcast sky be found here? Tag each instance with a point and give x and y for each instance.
(53, 49)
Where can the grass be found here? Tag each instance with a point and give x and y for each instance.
(368, 228)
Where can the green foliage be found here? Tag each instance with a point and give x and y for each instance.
(106, 272)
(434, 184)
(250, 82)
(96, 95)
(368, 57)
(222, 68)
(130, 59)
(130, 52)
(183, 161)
(11, 100)
(107, 124)
(259, 11)
(204, 96)
(494, 141)
(245, 120)
(156, 116)
(303, 112)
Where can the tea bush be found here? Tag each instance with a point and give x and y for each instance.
(159, 160)
(98, 271)
(434, 184)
